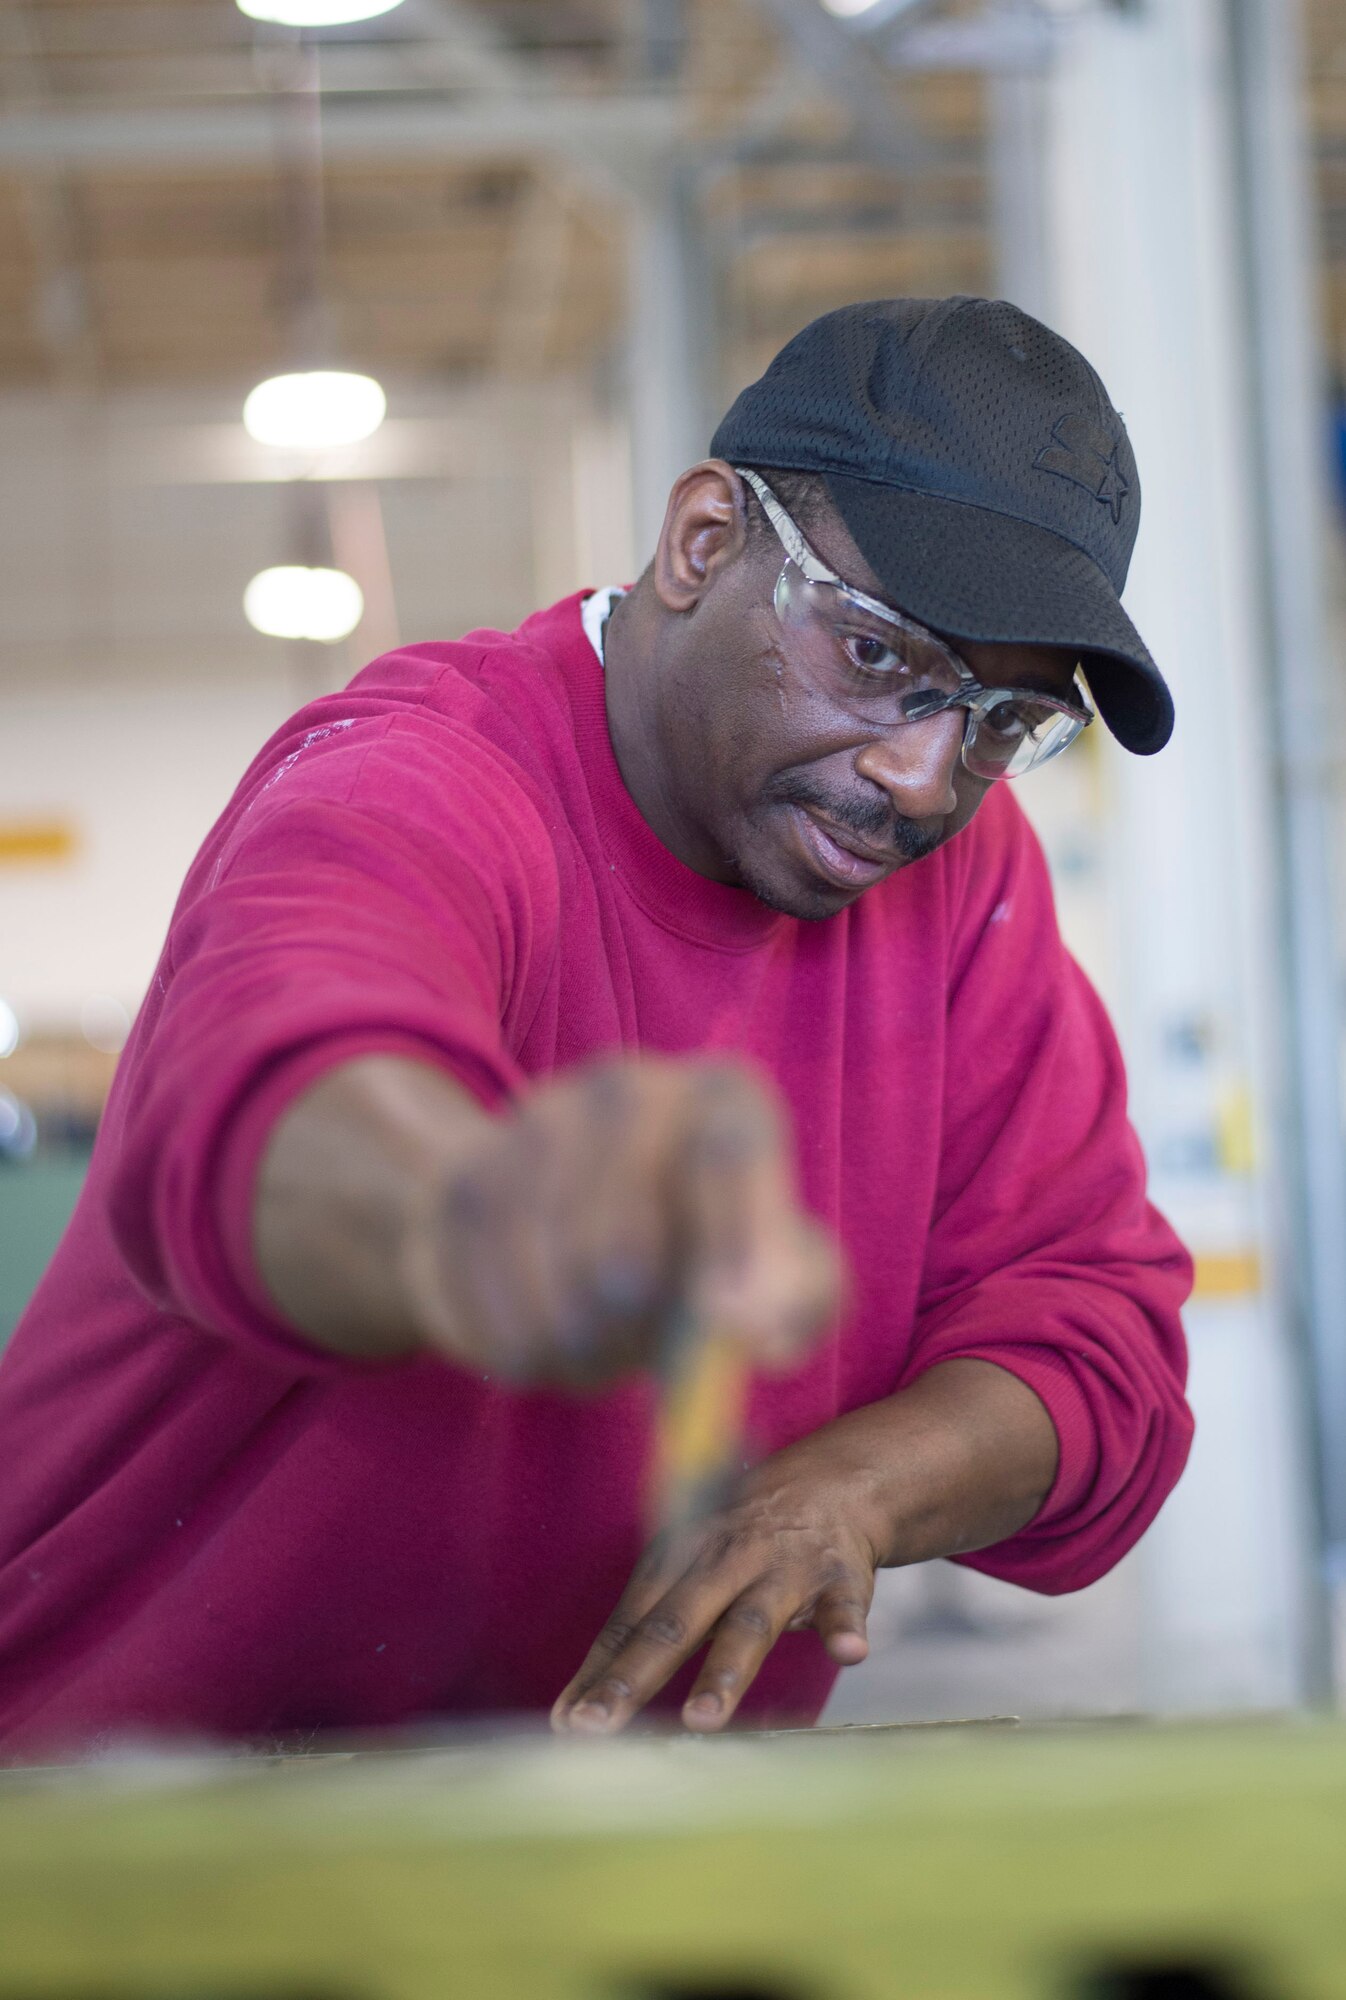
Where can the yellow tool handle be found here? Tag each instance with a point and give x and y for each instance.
(699, 1428)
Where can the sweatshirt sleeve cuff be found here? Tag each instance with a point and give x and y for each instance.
(1057, 1388)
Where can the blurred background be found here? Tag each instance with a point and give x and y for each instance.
(558, 236)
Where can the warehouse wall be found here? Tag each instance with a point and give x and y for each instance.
(139, 771)
(133, 693)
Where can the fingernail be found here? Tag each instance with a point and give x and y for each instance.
(704, 1704)
(590, 1715)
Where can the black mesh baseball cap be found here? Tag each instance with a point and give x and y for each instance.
(983, 473)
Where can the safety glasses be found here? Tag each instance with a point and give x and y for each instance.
(887, 670)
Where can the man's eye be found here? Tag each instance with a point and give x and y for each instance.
(1011, 721)
(872, 655)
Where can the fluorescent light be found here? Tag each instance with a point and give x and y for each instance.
(9, 1029)
(315, 13)
(314, 411)
(294, 603)
(847, 9)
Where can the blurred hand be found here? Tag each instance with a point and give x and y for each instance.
(559, 1244)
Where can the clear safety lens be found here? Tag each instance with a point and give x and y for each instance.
(1010, 734)
(869, 661)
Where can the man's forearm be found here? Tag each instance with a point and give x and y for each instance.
(961, 1459)
(347, 1170)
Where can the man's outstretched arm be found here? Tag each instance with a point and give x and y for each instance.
(551, 1241)
(549, 1244)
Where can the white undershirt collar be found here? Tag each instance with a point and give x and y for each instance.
(595, 613)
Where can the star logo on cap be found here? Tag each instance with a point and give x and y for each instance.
(1082, 452)
(1112, 488)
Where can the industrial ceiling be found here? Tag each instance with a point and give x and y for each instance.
(475, 164)
(476, 158)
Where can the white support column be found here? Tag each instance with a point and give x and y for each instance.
(1145, 234)
(1307, 708)
(669, 361)
(1018, 192)
(581, 477)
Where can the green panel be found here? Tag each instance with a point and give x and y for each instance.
(857, 1865)
(36, 1202)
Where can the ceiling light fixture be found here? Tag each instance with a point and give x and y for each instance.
(314, 411)
(315, 13)
(295, 603)
(847, 9)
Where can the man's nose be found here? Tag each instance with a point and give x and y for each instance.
(915, 764)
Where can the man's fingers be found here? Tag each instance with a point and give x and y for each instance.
(654, 1631)
(754, 1264)
(750, 1628)
(539, 1247)
(589, 1245)
(733, 1187)
(615, 1635)
(474, 1245)
(610, 1198)
(653, 1651)
(810, 1282)
(635, 1655)
(747, 1631)
(841, 1619)
(622, 1230)
(658, 1567)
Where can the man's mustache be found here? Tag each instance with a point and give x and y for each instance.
(869, 819)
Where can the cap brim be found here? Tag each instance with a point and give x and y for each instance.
(972, 573)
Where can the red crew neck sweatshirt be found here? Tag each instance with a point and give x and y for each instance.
(208, 1525)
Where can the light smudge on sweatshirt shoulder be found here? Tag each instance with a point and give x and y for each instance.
(286, 764)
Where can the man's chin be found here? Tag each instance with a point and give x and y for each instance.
(792, 893)
(791, 871)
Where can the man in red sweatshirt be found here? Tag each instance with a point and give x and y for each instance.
(682, 952)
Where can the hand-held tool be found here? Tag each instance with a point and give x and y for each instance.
(699, 1421)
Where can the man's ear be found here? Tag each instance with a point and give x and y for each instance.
(705, 527)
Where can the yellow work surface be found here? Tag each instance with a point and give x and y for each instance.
(962, 1865)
